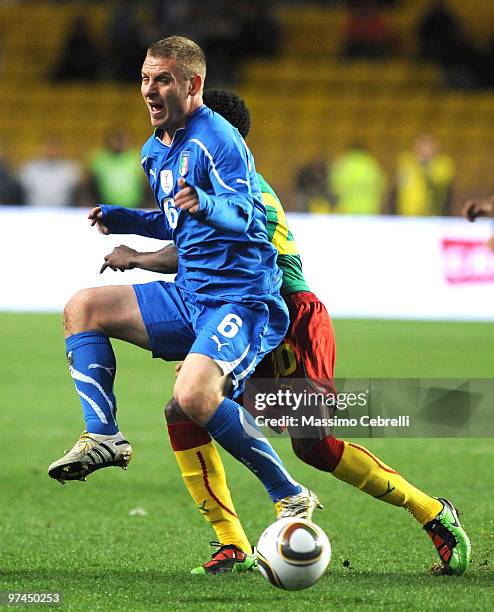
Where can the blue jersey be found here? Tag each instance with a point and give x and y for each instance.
(223, 249)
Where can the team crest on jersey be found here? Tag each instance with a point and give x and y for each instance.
(166, 178)
(183, 167)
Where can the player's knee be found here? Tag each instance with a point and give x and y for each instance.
(198, 404)
(70, 308)
(173, 412)
(82, 312)
(189, 401)
(77, 311)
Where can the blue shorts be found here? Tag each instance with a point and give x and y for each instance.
(236, 335)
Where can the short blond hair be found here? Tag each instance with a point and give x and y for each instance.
(188, 54)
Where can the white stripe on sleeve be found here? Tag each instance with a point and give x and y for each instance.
(213, 165)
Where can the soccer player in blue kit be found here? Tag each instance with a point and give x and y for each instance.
(222, 314)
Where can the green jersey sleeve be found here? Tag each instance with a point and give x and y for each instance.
(282, 239)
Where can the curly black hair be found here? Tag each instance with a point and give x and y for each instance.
(230, 106)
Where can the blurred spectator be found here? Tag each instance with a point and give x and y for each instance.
(312, 187)
(227, 31)
(127, 42)
(260, 30)
(443, 39)
(438, 32)
(10, 189)
(366, 33)
(51, 179)
(218, 28)
(487, 66)
(80, 58)
(172, 15)
(357, 182)
(116, 175)
(424, 180)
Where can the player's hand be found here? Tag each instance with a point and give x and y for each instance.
(121, 258)
(96, 218)
(186, 198)
(478, 208)
(490, 244)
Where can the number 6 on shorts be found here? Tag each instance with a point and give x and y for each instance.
(230, 325)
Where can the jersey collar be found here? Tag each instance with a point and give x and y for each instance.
(178, 134)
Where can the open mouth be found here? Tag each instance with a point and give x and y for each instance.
(156, 108)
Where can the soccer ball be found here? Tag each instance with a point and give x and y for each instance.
(293, 553)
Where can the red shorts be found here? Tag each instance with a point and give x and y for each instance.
(309, 348)
(304, 363)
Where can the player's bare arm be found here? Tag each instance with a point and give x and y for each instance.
(95, 216)
(164, 261)
(478, 208)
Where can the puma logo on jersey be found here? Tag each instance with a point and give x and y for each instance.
(217, 340)
(91, 366)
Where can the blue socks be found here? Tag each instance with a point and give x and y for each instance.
(93, 367)
(235, 430)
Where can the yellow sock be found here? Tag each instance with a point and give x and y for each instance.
(205, 479)
(363, 470)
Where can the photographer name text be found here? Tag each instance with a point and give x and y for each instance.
(313, 421)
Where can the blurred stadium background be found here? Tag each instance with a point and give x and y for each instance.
(306, 101)
(310, 98)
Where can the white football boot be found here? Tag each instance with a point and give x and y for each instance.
(91, 452)
(301, 505)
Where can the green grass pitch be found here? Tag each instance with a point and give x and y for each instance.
(81, 540)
